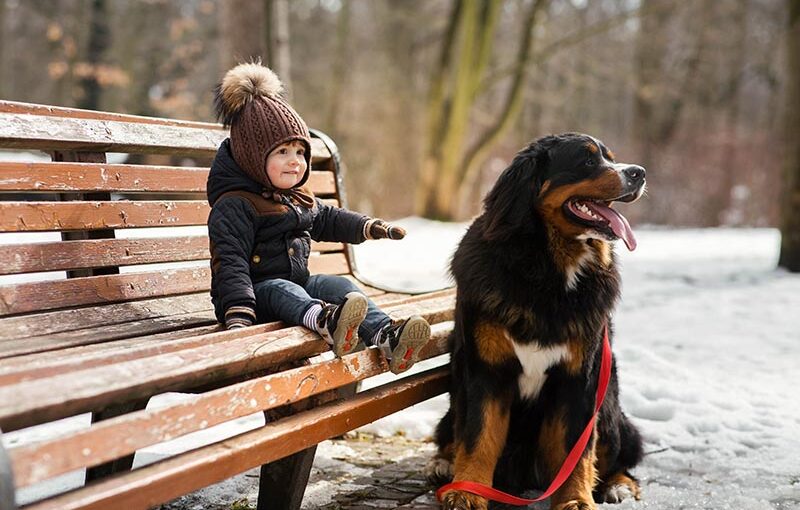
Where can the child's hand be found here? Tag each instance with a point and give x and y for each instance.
(379, 229)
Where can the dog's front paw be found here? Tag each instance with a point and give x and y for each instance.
(439, 471)
(457, 500)
(575, 504)
(619, 488)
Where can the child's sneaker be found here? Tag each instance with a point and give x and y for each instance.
(402, 341)
(338, 324)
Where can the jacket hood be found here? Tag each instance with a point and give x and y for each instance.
(226, 175)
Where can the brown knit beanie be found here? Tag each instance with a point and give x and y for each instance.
(249, 101)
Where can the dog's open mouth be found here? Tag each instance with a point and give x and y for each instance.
(602, 218)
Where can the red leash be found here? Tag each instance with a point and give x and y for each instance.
(571, 460)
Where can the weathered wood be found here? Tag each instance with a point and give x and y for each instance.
(51, 216)
(48, 133)
(60, 256)
(85, 177)
(76, 113)
(252, 350)
(135, 333)
(7, 499)
(92, 347)
(122, 463)
(161, 482)
(48, 295)
(66, 395)
(104, 442)
(65, 255)
(65, 321)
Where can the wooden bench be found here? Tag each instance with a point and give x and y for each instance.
(90, 322)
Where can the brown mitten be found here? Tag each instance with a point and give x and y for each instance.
(379, 229)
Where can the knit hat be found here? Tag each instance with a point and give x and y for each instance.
(250, 101)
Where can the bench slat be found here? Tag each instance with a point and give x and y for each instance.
(217, 359)
(66, 321)
(103, 441)
(48, 295)
(163, 481)
(138, 345)
(88, 177)
(77, 113)
(93, 253)
(54, 216)
(48, 133)
(92, 215)
(77, 326)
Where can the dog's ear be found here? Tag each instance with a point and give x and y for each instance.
(509, 205)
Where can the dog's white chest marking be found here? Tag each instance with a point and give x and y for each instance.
(535, 361)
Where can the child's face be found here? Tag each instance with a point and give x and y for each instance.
(286, 164)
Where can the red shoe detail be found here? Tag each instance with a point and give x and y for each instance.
(408, 355)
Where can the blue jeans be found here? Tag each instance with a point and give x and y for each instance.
(287, 301)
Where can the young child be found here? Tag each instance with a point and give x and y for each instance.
(262, 222)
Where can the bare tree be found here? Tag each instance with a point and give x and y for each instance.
(276, 14)
(466, 50)
(242, 25)
(2, 46)
(790, 220)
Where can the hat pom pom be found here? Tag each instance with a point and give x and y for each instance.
(240, 86)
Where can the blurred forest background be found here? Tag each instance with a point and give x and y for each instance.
(429, 100)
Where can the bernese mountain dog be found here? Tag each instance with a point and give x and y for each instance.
(536, 286)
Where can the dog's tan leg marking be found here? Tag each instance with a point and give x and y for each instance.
(576, 493)
(493, 344)
(477, 465)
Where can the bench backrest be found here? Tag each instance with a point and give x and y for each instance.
(92, 230)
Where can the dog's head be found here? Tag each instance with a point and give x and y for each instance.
(568, 182)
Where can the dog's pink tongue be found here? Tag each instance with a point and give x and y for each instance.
(619, 225)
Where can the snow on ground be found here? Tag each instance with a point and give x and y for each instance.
(707, 342)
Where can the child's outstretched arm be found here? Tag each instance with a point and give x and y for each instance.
(342, 225)
(230, 231)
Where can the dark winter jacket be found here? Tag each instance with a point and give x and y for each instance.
(255, 238)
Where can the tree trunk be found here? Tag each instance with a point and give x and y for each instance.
(2, 48)
(469, 169)
(341, 59)
(98, 42)
(436, 109)
(724, 212)
(790, 224)
(242, 28)
(276, 27)
(474, 26)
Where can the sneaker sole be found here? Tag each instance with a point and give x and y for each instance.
(416, 333)
(345, 337)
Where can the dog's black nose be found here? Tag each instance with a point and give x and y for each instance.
(634, 172)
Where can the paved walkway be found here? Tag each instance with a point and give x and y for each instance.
(360, 472)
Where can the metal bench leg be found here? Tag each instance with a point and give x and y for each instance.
(7, 500)
(122, 463)
(283, 482)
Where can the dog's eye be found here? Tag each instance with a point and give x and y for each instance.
(591, 162)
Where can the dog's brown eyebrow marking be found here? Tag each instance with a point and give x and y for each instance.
(610, 155)
(592, 148)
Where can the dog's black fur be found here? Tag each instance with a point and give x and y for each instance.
(530, 270)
